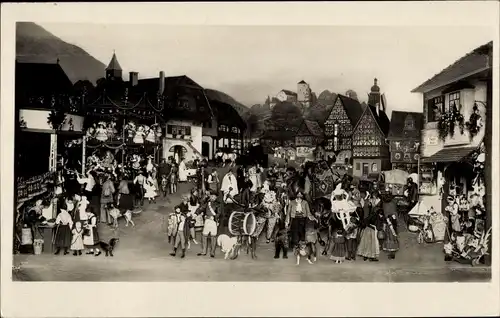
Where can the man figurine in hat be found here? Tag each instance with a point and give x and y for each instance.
(181, 232)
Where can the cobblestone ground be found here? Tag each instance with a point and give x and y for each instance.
(143, 255)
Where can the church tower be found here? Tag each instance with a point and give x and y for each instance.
(114, 70)
(374, 95)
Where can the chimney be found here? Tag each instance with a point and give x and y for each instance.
(161, 85)
(133, 78)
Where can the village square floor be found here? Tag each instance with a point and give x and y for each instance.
(142, 255)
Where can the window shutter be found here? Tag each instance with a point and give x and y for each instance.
(169, 129)
(444, 105)
(188, 130)
(430, 111)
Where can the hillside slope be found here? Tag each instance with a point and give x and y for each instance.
(223, 97)
(35, 44)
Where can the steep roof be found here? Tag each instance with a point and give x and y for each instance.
(289, 92)
(352, 107)
(41, 78)
(381, 119)
(302, 82)
(313, 127)
(397, 126)
(226, 113)
(474, 62)
(113, 64)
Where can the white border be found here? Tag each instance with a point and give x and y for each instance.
(240, 299)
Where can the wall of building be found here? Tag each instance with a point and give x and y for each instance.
(357, 166)
(303, 93)
(210, 141)
(431, 143)
(210, 130)
(189, 142)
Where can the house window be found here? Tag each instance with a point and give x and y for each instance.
(435, 108)
(179, 130)
(336, 137)
(329, 144)
(223, 128)
(235, 130)
(328, 129)
(374, 167)
(409, 123)
(183, 103)
(453, 100)
(358, 166)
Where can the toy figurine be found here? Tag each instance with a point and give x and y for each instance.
(101, 133)
(139, 135)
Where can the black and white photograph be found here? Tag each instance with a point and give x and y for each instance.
(150, 152)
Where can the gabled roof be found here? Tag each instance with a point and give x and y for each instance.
(302, 82)
(474, 62)
(288, 92)
(352, 107)
(397, 126)
(381, 119)
(113, 64)
(312, 127)
(41, 78)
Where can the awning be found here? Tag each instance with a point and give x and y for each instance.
(449, 155)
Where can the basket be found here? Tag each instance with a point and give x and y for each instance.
(38, 246)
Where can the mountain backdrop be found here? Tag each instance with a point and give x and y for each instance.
(36, 45)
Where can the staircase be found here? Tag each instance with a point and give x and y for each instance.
(196, 153)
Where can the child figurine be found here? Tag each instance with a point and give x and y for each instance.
(77, 239)
(452, 210)
(352, 239)
(463, 208)
(391, 242)
(150, 188)
(172, 224)
(180, 233)
(164, 185)
(339, 247)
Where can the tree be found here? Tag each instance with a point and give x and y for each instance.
(286, 115)
(317, 113)
(351, 94)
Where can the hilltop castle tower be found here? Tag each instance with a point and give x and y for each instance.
(304, 95)
(374, 95)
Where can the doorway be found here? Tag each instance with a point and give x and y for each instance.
(205, 149)
(179, 153)
(365, 170)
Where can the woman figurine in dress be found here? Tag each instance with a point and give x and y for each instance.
(151, 135)
(252, 173)
(339, 249)
(101, 132)
(63, 230)
(150, 188)
(139, 135)
(182, 171)
(368, 246)
(92, 239)
(391, 242)
(77, 239)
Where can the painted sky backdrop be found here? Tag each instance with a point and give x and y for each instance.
(252, 62)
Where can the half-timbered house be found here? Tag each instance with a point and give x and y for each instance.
(339, 126)
(370, 152)
(404, 140)
(308, 136)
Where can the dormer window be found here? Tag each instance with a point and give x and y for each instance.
(409, 123)
(223, 128)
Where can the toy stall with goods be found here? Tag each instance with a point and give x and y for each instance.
(123, 132)
(31, 235)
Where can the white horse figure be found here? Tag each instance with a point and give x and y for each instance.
(225, 158)
(218, 157)
(232, 158)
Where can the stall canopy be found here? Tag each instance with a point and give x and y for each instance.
(449, 155)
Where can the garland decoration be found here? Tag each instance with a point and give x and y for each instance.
(475, 122)
(57, 116)
(448, 121)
